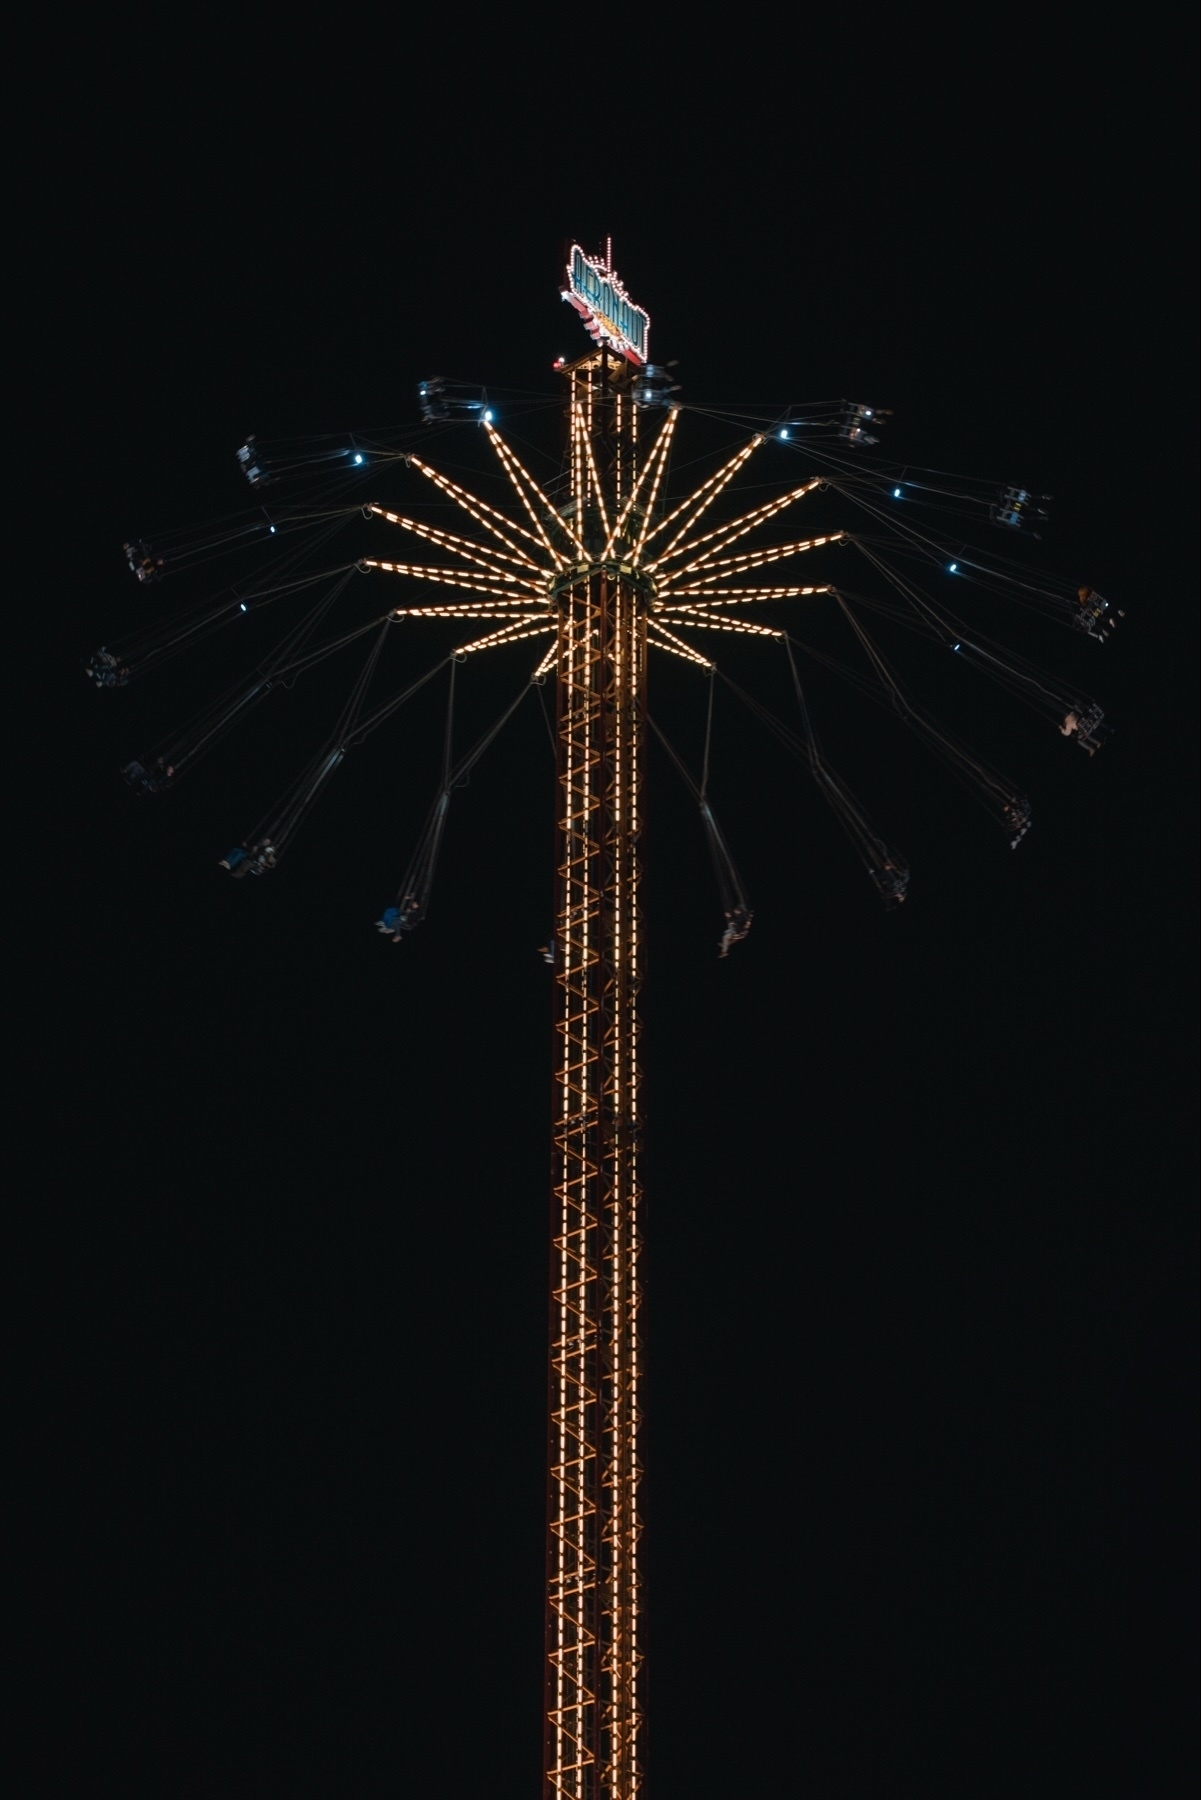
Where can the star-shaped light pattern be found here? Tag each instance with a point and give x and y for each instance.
(516, 573)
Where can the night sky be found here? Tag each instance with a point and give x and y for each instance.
(920, 1320)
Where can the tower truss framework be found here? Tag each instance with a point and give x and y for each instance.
(594, 1651)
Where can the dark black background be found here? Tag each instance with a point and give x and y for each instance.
(919, 1316)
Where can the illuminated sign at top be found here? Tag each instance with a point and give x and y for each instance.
(601, 301)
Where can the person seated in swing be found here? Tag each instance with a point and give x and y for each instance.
(402, 917)
(255, 861)
(738, 924)
(892, 881)
(106, 671)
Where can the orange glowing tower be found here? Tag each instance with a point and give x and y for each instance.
(594, 1709)
(626, 579)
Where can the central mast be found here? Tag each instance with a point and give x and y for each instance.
(594, 1706)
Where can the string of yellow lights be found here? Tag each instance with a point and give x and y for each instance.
(481, 512)
(678, 601)
(523, 485)
(508, 634)
(660, 471)
(598, 492)
(721, 535)
(654, 465)
(703, 623)
(485, 610)
(459, 578)
(720, 568)
(708, 491)
(663, 639)
(449, 540)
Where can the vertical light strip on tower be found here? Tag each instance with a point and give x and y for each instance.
(571, 1613)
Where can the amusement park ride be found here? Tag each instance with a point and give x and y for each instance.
(597, 570)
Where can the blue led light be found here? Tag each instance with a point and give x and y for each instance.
(784, 433)
(242, 606)
(954, 646)
(896, 493)
(358, 456)
(487, 418)
(954, 568)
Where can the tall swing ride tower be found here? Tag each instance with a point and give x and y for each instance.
(603, 573)
(594, 1651)
(629, 575)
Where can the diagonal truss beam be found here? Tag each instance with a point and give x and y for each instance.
(532, 626)
(467, 548)
(482, 513)
(652, 470)
(511, 587)
(485, 609)
(524, 486)
(709, 568)
(732, 596)
(722, 535)
(547, 664)
(702, 499)
(662, 639)
(742, 626)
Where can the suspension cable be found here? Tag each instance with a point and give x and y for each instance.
(413, 896)
(729, 882)
(996, 793)
(172, 756)
(887, 869)
(277, 828)
(1020, 677)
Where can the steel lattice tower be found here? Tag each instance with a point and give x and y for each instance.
(594, 1711)
(628, 580)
